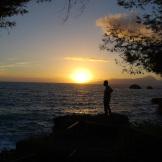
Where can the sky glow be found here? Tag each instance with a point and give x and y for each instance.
(42, 48)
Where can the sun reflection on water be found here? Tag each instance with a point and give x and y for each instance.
(81, 111)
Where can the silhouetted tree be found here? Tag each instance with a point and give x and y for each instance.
(139, 44)
(9, 8)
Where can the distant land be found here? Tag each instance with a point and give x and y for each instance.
(143, 82)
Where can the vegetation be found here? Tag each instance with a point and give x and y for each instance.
(139, 44)
(9, 8)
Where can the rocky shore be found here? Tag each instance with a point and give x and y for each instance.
(89, 138)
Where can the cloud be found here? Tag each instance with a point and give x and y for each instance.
(13, 65)
(125, 25)
(86, 59)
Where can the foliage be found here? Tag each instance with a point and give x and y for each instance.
(9, 8)
(139, 50)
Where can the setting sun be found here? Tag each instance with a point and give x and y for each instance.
(81, 76)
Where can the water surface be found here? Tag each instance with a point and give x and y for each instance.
(27, 109)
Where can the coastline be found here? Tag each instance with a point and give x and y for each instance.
(89, 137)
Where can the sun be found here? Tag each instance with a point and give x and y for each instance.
(81, 76)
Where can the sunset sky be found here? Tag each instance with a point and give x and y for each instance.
(43, 48)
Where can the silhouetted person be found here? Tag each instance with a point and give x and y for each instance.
(107, 96)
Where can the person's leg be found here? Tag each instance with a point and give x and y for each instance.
(109, 110)
(105, 108)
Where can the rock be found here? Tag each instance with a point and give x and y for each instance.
(89, 138)
(135, 86)
(63, 122)
(157, 101)
(149, 87)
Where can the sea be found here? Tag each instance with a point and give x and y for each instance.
(28, 109)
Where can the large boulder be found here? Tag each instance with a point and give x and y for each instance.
(90, 138)
(157, 101)
(149, 87)
(135, 86)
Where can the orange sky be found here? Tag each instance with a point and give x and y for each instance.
(41, 48)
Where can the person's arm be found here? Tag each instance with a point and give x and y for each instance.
(111, 90)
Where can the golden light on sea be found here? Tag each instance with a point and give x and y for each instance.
(81, 76)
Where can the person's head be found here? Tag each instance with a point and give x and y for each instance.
(105, 83)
